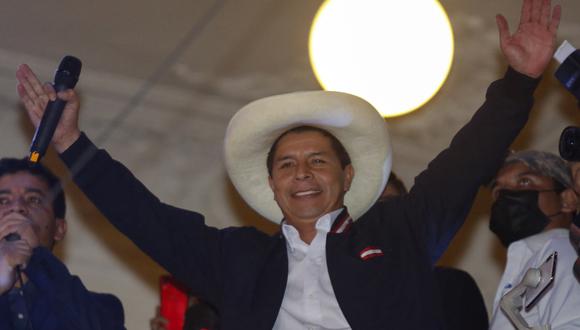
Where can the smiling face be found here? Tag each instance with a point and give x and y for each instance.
(28, 198)
(308, 179)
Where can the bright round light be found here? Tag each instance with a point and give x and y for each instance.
(394, 54)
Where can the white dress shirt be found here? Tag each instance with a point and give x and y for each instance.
(309, 300)
(560, 305)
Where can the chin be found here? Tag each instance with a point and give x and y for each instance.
(310, 214)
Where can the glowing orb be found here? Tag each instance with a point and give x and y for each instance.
(394, 54)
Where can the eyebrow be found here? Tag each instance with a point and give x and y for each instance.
(283, 158)
(531, 172)
(315, 153)
(26, 190)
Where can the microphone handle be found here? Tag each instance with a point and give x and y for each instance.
(46, 129)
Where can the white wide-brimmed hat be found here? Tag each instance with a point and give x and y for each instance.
(352, 120)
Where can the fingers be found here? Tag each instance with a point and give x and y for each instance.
(14, 223)
(33, 86)
(545, 12)
(536, 11)
(555, 21)
(526, 13)
(16, 253)
(69, 95)
(32, 93)
(10, 226)
(502, 27)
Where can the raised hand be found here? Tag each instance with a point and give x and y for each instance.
(530, 48)
(35, 96)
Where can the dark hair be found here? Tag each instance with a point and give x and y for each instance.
(395, 183)
(335, 144)
(14, 165)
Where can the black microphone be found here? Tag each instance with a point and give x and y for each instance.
(12, 237)
(66, 77)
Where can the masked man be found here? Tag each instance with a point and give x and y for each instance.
(532, 211)
(36, 289)
(301, 159)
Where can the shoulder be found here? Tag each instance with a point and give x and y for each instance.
(110, 304)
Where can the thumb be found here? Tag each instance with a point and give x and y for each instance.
(503, 28)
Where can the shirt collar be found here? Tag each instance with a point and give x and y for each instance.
(323, 226)
(536, 242)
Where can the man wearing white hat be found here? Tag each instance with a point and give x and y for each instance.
(323, 271)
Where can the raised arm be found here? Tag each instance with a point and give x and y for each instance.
(177, 239)
(447, 188)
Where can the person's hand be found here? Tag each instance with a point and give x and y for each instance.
(158, 322)
(35, 96)
(12, 254)
(530, 49)
(14, 222)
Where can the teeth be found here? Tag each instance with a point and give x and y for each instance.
(306, 193)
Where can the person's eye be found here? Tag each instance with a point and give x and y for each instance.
(34, 200)
(524, 182)
(285, 165)
(318, 161)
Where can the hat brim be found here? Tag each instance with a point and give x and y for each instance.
(353, 121)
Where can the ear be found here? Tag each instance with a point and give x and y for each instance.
(271, 184)
(348, 176)
(61, 228)
(569, 201)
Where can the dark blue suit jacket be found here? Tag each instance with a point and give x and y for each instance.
(61, 301)
(243, 271)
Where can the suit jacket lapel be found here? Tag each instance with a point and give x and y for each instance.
(271, 286)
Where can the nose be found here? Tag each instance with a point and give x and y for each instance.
(303, 171)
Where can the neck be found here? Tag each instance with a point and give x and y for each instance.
(560, 220)
(307, 231)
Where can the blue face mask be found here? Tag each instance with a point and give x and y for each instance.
(516, 214)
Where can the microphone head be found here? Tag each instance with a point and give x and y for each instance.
(12, 237)
(67, 74)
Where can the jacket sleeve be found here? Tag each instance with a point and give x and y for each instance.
(443, 194)
(176, 238)
(74, 306)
